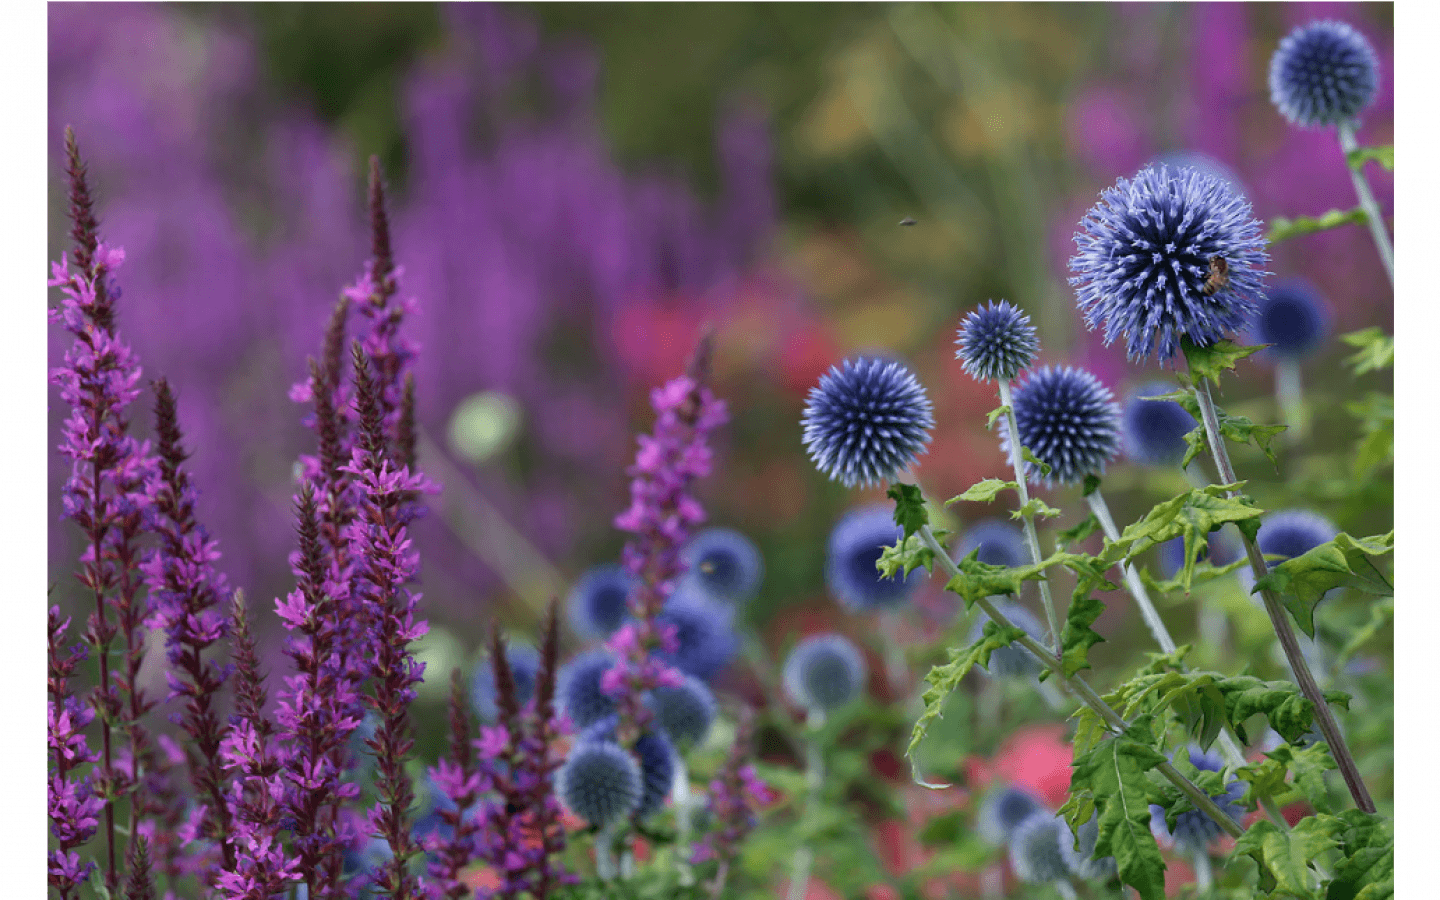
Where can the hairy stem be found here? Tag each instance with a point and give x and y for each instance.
(1348, 144)
(1031, 539)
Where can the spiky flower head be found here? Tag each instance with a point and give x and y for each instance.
(866, 421)
(723, 564)
(1081, 860)
(996, 341)
(1035, 848)
(1194, 830)
(599, 782)
(1152, 432)
(684, 713)
(1289, 533)
(578, 691)
(824, 672)
(1168, 255)
(704, 634)
(1292, 319)
(596, 603)
(524, 663)
(855, 546)
(999, 542)
(1002, 811)
(657, 762)
(1012, 661)
(1068, 419)
(1324, 73)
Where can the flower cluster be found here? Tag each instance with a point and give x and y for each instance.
(735, 795)
(996, 342)
(1068, 420)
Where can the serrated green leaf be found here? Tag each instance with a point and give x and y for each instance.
(1282, 704)
(1078, 532)
(910, 512)
(1113, 776)
(1284, 856)
(1305, 766)
(1191, 516)
(1203, 572)
(1367, 869)
(1283, 229)
(1343, 561)
(1210, 361)
(1076, 636)
(1383, 154)
(977, 579)
(1376, 350)
(1029, 457)
(1240, 430)
(982, 491)
(1375, 450)
(1205, 701)
(1381, 615)
(995, 413)
(1035, 507)
(906, 556)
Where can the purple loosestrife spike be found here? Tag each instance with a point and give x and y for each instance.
(1324, 73)
(824, 672)
(462, 784)
(74, 810)
(1148, 258)
(140, 885)
(866, 421)
(524, 664)
(996, 342)
(1068, 420)
(735, 794)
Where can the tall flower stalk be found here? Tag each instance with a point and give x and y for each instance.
(73, 807)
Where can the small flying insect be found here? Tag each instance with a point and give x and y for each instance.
(1218, 279)
(907, 221)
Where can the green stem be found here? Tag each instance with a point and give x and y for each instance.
(1348, 144)
(1279, 619)
(1031, 539)
(814, 777)
(1289, 398)
(680, 793)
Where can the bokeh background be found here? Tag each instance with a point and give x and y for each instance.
(577, 189)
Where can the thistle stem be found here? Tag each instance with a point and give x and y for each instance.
(1288, 397)
(897, 672)
(680, 793)
(814, 777)
(1087, 694)
(1348, 145)
(605, 853)
(1204, 872)
(1101, 509)
(1279, 620)
(1031, 539)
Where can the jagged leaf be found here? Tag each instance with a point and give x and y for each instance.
(1367, 870)
(1035, 507)
(1284, 857)
(1077, 533)
(1375, 350)
(1191, 516)
(1306, 766)
(1343, 561)
(1029, 457)
(910, 512)
(1383, 154)
(1112, 777)
(909, 554)
(1282, 229)
(995, 413)
(982, 491)
(1076, 636)
(1380, 616)
(978, 579)
(1210, 361)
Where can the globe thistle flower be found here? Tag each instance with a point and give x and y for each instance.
(684, 713)
(1082, 862)
(824, 672)
(1194, 830)
(1003, 810)
(1035, 848)
(1152, 432)
(1069, 420)
(706, 641)
(656, 758)
(1171, 254)
(599, 782)
(996, 342)
(866, 421)
(723, 564)
(1012, 661)
(1289, 533)
(1291, 319)
(524, 663)
(596, 603)
(1324, 73)
(855, 546)
(577, 688)
(999, 542)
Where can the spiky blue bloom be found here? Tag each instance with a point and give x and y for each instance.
(866, 421)
(1068, 419)
(854, 548)
(524, 663)
(1323, 74)
(599, 782)
(824, 672)
(1145, 259)
(1035, 849)
(1292, 532)
(1194, 830)
(684, 713)
(724, 564)
(577, 688)
(1082, 862)
(1000, 543)
(596, 603)
(1152, 432)
(1002, 811)
(707, 639)
(996, 341)
(1012, 661)
(1292, 319)
(657, 762)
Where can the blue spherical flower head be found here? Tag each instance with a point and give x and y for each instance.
(1290, 533)
(684, 713)
(1194, 830)
(599, 782)
(1324, 73)
(1082, 861)
(855, 546)
(1171, 254)
(524, 663)
(657, 762)
(1003, 810)
(866, 421)
(1035, 849)
(824, 672)
(1012, 661)
(1291, 319)
(996, 342)
(597, 602)
(1152, 432)
(1069, 420)
(999, 542)
(723, 564)
(707, 640)
(577, 688)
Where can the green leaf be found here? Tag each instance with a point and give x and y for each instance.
(1205, 701)
(1035, 507)
(1380, 616)
(1203, 572)
(1112, 777)
(1367, 870)
(1192, 516)
(1210, 361)
(1376, 350)
(1283, 229)
(1029, 457)
(1240, 430)
(1092, 484)
(1343, 561)
(910, 513)
(1079, 532)
(995, 413)
(1306, 767)
(906, 556)
(983, 491)
(1284, 856)
(1282, 704)
(1384, 155)
(1076, 636)
(978, 579)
